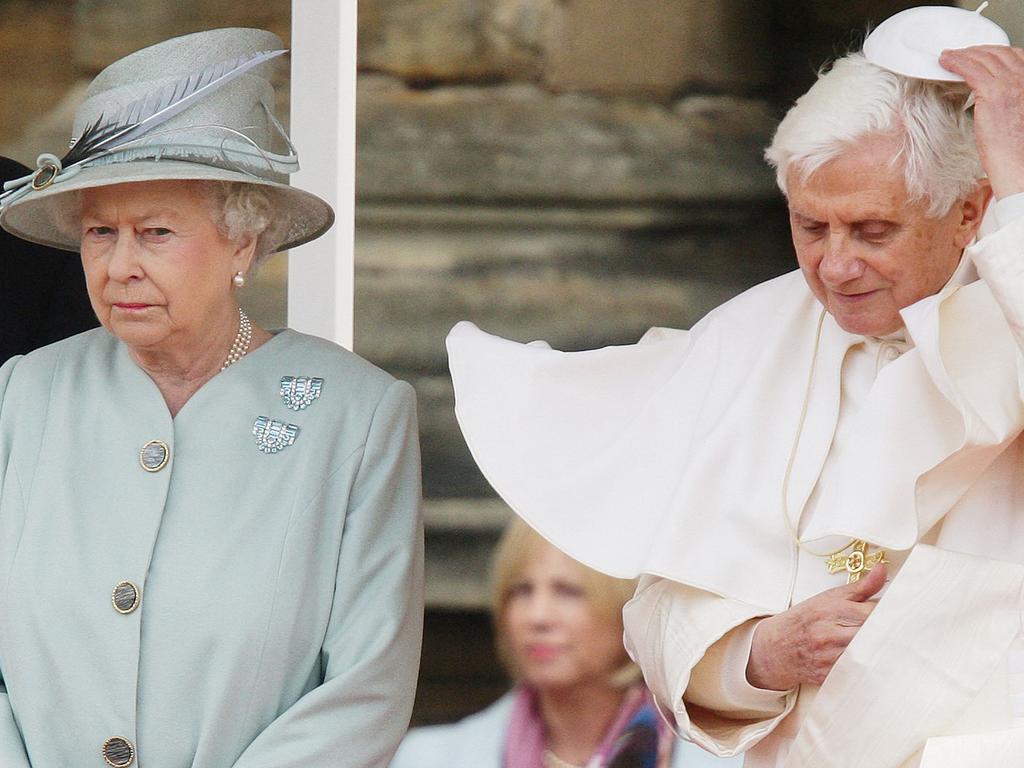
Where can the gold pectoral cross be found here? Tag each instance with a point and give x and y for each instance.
(857, 562)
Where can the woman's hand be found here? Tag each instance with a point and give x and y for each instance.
(801, 645)
(996, 74)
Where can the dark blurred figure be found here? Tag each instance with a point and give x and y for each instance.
(42, 290)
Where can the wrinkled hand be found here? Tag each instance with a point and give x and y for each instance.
(996, 74)
(801, 645)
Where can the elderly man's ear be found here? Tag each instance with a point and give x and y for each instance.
(972, 210)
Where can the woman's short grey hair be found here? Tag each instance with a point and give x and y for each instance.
(854, 100)
(242, 211)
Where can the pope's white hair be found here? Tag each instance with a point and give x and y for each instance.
(855, 100)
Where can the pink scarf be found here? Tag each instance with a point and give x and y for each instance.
(525, 740)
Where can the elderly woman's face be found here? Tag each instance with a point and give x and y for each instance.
(557, 638)
(864, 251)
(156, 266)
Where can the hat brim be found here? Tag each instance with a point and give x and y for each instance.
(37, 216)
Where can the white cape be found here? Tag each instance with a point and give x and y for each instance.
(667, 457)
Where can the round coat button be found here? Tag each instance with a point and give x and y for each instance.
(154, 455)
(118, 752)
(125, 597)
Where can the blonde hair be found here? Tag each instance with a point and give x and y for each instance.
(518, 545)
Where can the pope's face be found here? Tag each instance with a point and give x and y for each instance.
(865, 252)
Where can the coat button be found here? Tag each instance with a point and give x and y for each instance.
(154, 455)
(118, 752)
(125, 597)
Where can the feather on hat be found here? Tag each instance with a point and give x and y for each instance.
(196, 107)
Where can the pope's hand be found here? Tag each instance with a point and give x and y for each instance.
(801, 645)
(996, 74)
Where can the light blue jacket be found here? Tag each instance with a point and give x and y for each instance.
(478, 741)
(281, 593)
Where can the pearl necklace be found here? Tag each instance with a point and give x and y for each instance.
(240, 346)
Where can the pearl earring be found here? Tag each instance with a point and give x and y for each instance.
(238, 280)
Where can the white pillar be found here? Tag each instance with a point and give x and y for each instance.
(323, 118)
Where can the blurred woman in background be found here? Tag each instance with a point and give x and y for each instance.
(578, 700)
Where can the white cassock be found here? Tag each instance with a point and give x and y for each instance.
(667, 459)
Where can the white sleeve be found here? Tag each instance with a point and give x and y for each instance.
(999, 258)
(719, 680)
(692, 647)
(1008, 210)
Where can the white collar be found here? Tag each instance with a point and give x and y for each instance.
(964, 274)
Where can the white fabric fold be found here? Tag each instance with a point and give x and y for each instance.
(978, 750)
(941, 631)
(667, 457)
(670, 628)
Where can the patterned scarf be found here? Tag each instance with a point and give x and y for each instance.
(637, 738)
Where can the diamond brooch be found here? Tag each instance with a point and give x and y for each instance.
(273, 435)
(299, 392)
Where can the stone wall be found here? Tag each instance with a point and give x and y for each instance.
(1010, 16)
(637, 48)
(36, 77)
(436, 41)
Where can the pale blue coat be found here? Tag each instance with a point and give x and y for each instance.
(478, 741)
(281, 609)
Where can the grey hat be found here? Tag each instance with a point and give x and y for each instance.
(197, 107)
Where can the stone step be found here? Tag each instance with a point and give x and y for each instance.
(460, 537)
